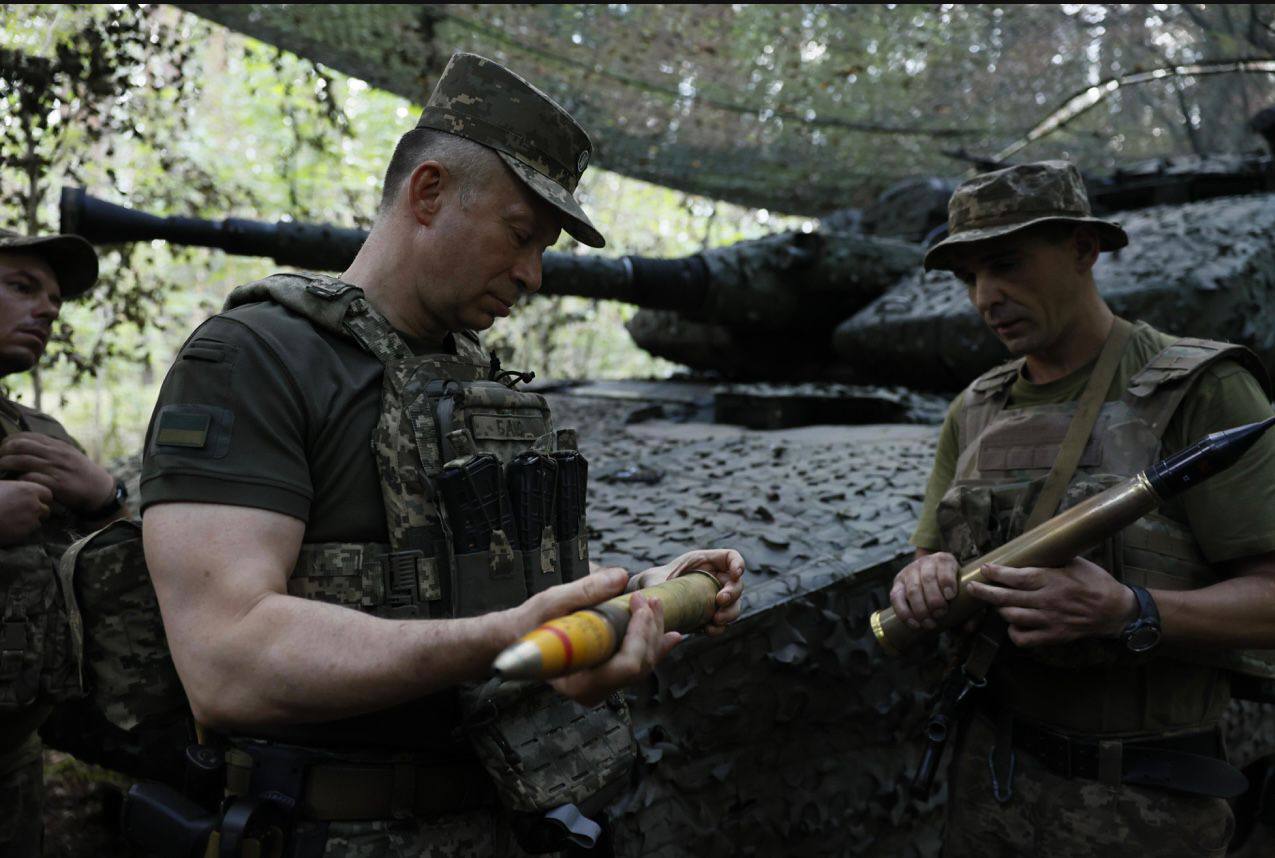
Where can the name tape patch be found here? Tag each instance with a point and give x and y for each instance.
(500, 427)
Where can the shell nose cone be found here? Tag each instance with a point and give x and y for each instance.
(520, 661)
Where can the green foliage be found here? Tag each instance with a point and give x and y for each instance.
(163, 112)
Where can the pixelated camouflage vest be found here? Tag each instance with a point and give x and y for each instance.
(35, 664)
(542, 749)
(1004, 458)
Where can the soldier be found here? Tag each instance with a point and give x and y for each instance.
(48, 490)
(327, 618)
(1098, 730)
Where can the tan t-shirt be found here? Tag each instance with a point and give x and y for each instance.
(1231, 515)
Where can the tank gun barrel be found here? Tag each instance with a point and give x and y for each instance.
(661, 284)
(304, 245)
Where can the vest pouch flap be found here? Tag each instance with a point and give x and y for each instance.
(500, 420)
(541, 563)
(573, 558)
(544, 750)
(32, 622)
(491, 580)
(125, 663)
(966, 522)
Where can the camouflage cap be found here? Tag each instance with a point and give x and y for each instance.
(73, 260)
(485, 102)
(1005, 201)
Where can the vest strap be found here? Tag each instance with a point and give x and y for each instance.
(992, 630)
(1082, 423)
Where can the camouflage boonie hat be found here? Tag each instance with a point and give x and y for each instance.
(485, 102)
(73, 260)
(1005, 201)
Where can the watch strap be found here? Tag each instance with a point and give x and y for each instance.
(1147, 609)
(114, 505)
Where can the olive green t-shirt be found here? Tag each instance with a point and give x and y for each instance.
(1231, 515)
(261, 409)
(266, 411)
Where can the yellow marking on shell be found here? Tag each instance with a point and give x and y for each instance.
(592, 642)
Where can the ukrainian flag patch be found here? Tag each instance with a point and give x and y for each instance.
(178, 429)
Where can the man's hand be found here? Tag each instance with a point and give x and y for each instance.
(1054, 606)
(22, 507)
(645, 642)
(77, 482)
(725, 563)
(923, 588)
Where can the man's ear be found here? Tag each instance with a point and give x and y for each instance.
(425, 189)
(1087, 245)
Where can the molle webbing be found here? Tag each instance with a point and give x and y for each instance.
(364, 575)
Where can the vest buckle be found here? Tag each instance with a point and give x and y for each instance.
(402, 583)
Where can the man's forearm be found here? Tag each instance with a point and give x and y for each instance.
(1238, 612)
(292, 660)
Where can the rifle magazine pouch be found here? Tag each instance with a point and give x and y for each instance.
(543, 750)
(32, 626)
(531, 479)
(489, 580)
(117, 630)
(570, 529)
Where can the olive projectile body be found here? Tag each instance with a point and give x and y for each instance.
(1085, 525)
(592, 636)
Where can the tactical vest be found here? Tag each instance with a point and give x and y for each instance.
(1093, 686)
(35, 664)
(467, 465)
(445, 421)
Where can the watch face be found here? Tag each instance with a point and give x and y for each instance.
(1143, 638)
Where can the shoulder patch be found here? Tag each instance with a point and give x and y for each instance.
(204, 429)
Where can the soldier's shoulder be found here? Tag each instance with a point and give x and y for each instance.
(44, 424)
(993, 381)
(268, 319)
(1166, 359)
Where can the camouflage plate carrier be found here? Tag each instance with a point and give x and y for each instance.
(110, 660)
(35, 669)
(437, 413)
(1004, 458)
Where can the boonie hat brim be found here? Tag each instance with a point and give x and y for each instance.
(575, 221)
(939, 257)
(73, 260)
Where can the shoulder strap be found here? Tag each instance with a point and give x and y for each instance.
(996, 380)
(991, 631)
(1082, 423)
(1156, 391)
(330, 305)
(984, 399)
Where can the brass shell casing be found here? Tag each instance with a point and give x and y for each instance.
(593, 635)
(1053, 543)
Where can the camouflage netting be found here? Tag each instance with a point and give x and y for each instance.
(806, 108)
(793, 734)
(1201, 269)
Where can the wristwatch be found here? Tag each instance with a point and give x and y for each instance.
(1143, 634)
(112, 506)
